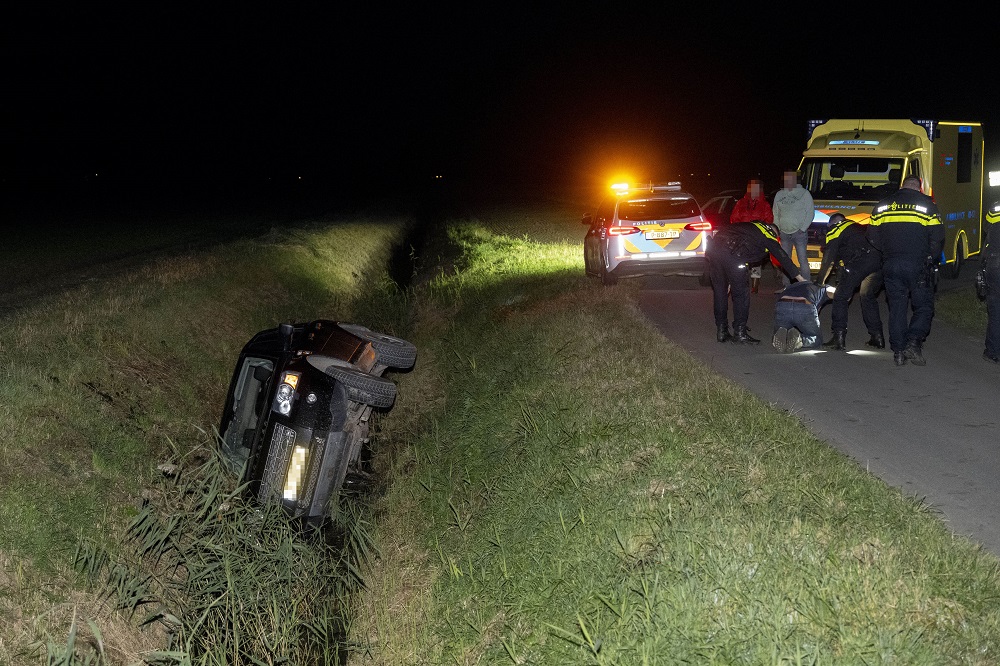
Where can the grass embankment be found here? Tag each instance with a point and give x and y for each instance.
(104, 382)
(574, 488)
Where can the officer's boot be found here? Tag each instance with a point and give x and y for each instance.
(723, 335)
(839, 341)
(877, 340)
(832, 342)
(913, 353)
(742, 337)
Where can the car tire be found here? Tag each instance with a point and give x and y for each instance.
(389, 351)
(361, 387)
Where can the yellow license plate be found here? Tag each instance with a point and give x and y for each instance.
(669, 233)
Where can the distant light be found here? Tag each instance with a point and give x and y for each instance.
(994, 178)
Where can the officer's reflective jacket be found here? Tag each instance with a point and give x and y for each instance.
(751, 241)
(846, 241)
(907, 225)
(991, 249)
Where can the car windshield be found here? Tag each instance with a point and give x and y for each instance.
(645, 210)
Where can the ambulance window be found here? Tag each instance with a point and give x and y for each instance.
(964, 158)
(915, 170)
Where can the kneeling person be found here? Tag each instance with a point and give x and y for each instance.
(796, 316)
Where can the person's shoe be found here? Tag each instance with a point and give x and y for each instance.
(741, 336)
(913, 354)
(899, 358)
(991, 359)
(723, 335)
(876, 340)
(778, 341)
(838, 342)
(793, 341)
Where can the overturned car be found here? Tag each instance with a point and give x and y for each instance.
(297, 414)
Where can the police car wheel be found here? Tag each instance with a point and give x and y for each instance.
(389, 351)
(956, 266)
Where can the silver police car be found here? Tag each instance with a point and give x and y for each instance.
(646, 229)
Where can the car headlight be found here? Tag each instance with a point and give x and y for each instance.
(284, 396)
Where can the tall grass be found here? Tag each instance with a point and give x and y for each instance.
(574, 488)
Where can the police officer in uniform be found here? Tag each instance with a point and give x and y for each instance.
(990, 259)
(906, 228)
(730, 254)
(847, 241)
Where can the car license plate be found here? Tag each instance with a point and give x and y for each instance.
(814, 265)
(669, 233)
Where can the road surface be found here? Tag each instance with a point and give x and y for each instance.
(930, 431)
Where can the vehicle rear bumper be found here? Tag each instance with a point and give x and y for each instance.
(693, 266)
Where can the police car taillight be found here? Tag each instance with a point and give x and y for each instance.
(623, 231)
(698, 226)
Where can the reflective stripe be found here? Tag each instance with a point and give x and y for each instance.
(767, 230)
(902, 215)
(837, 229)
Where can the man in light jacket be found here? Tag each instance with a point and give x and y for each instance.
(793, 213)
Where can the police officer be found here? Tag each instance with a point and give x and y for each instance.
(730, 253)
(847, 241)
(906, 228)
(990, 259)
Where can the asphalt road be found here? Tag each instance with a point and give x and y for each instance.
(930, 431)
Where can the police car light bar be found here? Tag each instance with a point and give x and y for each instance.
(624, 188)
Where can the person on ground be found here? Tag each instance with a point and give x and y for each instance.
(796, 316)
(730, 253)
(847, 242)
(906, 229)
(990, 259)
(793, 213)
(753, 207)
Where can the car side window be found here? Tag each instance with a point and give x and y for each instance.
(605, 213)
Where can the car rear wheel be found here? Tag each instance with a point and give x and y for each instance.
(361, 387)
(389, 351)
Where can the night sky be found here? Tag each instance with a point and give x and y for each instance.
(484, 95)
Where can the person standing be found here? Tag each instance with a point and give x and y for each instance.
(796, 316)
(793, 213)
(847, 241)
(730, 253)
(753, 207)
(906, 228)
(990, 259)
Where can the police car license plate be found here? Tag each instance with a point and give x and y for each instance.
(669, 233)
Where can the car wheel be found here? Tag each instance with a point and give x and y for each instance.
(389, 351)
(956, 266)
(361, 387)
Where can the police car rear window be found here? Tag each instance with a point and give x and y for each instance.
(657, 209)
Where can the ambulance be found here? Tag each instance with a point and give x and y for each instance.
(849, 165)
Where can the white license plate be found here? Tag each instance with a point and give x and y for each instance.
(814, 265)
(669, 233)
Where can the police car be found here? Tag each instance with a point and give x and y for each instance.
(295, 423)
(646, 229)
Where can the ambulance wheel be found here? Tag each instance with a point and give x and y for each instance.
(956, 266)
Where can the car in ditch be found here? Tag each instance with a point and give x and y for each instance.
(297, 415)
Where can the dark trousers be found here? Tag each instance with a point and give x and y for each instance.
(730, 276)
(992, 265)
(908, 287)
(865, 277)
(803, 316)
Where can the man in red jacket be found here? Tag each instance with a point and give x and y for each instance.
(753, 207)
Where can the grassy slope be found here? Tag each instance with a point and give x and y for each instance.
(573, 488)
(104, 381)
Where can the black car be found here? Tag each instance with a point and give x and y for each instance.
(297, 413)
